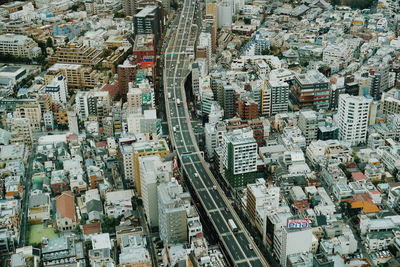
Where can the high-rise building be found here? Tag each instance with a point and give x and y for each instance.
(204, 47)
(378, 80)
(275, 97)
(130, 158)
(308, 124)
(239, 155)
(81, 104)
(148, 21)
(172, 206)
(247, 108)
(153, 172)
(310, 90)
(225, 13)
(58, 89)
(78, 76)
(353, 118)
(21, 131)
(213, 132)
(289, 241)
(92, 103)
(134, 96)
(226, 98)
(126, 74)
(129, 7)
(260, 196)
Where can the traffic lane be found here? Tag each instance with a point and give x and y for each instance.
(196, 182)
(217, 198)
(256, 263)
(233, 247)
(219, 222)
(206, 179)
(227, 214)
(206, 199)
(244, 244)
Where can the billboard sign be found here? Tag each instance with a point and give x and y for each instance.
(298, 223)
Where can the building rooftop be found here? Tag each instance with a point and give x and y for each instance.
(148, 10)
(311, 77)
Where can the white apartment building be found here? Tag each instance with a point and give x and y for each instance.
(291, 241)
(153, 172)
(58, 89)
(213, 137)
(353, 117)
(239, 156)
(261, 200)
(127, 153)
(81, 104)
(19, 46)
(172, 206)
(335, 54)
(275, 97)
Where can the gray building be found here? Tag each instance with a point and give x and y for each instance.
(308, 124)
(172, 206)
(148, 21)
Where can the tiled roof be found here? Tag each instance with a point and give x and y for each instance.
(65, 205)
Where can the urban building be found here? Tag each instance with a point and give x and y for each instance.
(66, 218)
(126, 74)
(18, 46)
(129, 7)
(32, 112)
(77, 54)
(239, 157)
(172, 206)
(353, 118)
(261, 200)
(310, 90)
(275, 98)
(247, 108)
(153, 171)
(286, 242)
(58, 89)
(391, 102)
(308, 124)
(130, 156)
(148, 21)
(21, 131)
(78, 76)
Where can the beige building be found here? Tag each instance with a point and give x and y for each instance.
(391, 102)
(21, 131)
(19, 46)
(134, 97)
(77, 54)
(130, 156)
(78, 76)
(31, 112)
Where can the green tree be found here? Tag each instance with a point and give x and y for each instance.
(49, 42)
(119, 15)
(265, 51)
